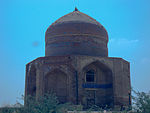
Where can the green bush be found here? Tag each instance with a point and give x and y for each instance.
(141, 102)
(45, 104)
(50, 104)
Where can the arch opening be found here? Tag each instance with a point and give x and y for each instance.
(56, 82)
(32, 81)
(98, 84)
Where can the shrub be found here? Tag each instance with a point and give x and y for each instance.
(141, 102)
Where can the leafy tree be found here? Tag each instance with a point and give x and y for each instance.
(45, 104)
(141, 102)
(50, 104)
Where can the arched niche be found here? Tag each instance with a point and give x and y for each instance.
(56, 82)
(32, 81)
(98, 90)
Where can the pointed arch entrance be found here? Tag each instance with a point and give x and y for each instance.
(32, 81)
(97, 85)
(56, 82)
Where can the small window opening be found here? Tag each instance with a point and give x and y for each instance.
(90, 76)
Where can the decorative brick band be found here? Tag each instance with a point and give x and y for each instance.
(63, 35)
(104, 86)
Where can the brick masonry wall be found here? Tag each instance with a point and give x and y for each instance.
(76, 38)
(113, 78)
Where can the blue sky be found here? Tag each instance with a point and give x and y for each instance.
(22, 32)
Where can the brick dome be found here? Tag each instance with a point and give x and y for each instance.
(76, 34)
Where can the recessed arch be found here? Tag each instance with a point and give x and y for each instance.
(32, 81)
(56, 82)
(98, 63)
(102, 85)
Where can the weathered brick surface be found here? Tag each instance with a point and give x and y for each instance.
(76, 38)
(74, 45)
(57, 73)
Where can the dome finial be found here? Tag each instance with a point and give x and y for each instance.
(76, 9)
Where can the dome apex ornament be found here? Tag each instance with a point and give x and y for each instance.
(76, 9)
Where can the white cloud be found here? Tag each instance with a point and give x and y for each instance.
(123, 41)
(145, 60)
